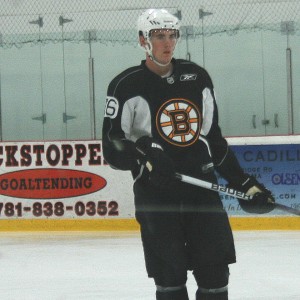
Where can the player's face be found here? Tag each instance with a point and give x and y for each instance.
(163, 44)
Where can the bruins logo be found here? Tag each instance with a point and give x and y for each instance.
(179, 122)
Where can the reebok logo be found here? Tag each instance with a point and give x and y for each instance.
(188, 77)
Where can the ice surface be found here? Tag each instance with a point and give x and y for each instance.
(110, 266)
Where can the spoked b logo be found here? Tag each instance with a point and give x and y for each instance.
(179, 122)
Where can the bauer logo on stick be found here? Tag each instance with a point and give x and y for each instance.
(179, 122)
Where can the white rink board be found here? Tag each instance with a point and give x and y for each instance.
(70, 180)
(61, 180)
(264, 140)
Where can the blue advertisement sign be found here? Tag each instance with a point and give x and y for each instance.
(275, 166)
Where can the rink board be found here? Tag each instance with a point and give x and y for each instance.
(237, 223)
(67, 185)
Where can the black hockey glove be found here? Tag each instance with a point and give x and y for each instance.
(126, 154)
(262, 201)
(159, 168)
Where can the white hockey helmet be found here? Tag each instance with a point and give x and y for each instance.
(152, 19)
(155, 19)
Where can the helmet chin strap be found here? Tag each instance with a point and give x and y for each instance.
(151, 56)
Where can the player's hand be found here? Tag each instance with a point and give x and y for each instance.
(127, 152)
(159, 167)
(262, 201)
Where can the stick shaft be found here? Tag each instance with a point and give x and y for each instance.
(213, 186)
(229, 191)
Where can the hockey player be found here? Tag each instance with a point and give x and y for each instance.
(161, 118)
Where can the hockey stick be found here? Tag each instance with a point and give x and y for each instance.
(229, 191)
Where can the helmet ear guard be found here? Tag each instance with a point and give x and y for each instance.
(146, 46)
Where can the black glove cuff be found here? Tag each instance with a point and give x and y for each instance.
(160, 171)
(231, 170)
(251, 182)
(146, 144)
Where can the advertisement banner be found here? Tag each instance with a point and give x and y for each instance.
(276, 166)
(61, 180)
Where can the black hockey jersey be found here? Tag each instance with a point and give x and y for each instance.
(178, 111)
